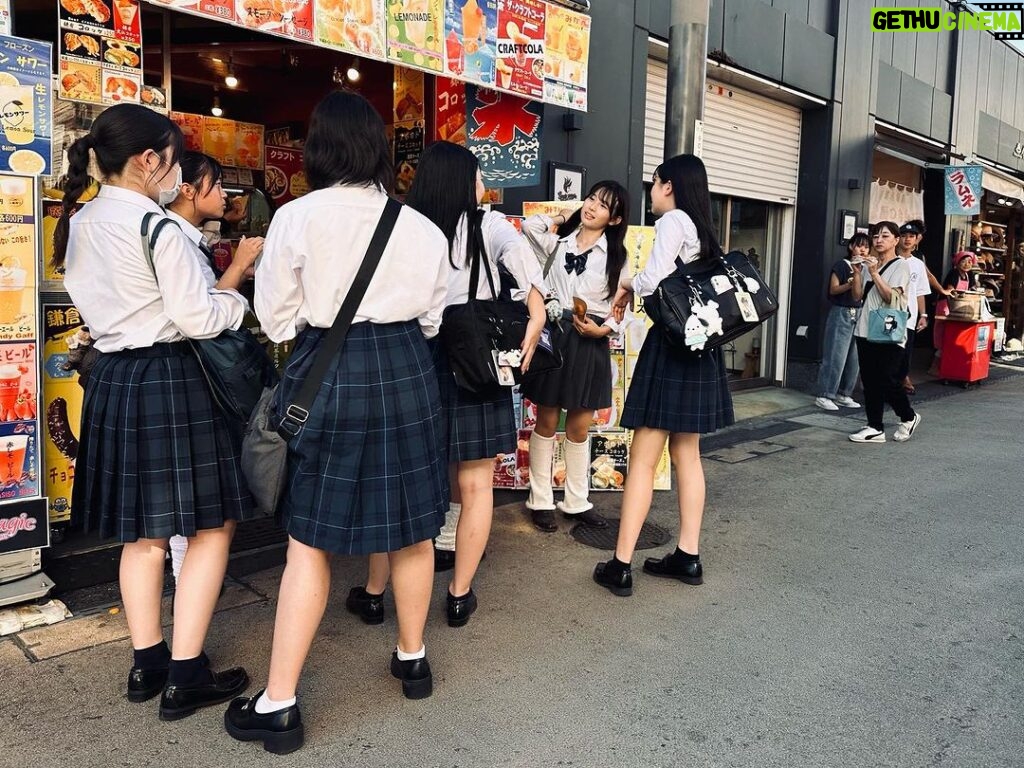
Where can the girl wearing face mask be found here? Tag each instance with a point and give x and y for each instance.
(586, 259)
(156, 457)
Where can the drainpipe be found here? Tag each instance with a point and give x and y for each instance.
(687, 71)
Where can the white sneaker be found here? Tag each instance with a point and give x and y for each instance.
(826, 404)
(847, 402)
(868, 435)
(906, 429)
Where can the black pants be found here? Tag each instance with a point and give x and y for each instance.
(880, 366)
(908, 353)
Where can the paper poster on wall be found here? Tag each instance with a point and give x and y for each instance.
(62, 401)
(249, 145)
(219, 139)
(288, 18)
(19, 462)
(25, 106)
(470, 39)
(352, 25)
(550, 208)
(408, 148)
(503, 131)
(100, 51)
(192, 128)
(17, 258)
(18, 384)
(519, 66)
(567, 54)
(5, 17)
(284, 178)
(415, 32)
(408, 95)
(450, 111)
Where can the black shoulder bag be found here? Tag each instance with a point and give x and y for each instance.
(265, 445)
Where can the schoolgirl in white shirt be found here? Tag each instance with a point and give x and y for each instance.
(156, 457)
(585, 259)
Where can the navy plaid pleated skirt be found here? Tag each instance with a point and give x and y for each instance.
(479, 427)
(585, 378)
(156, 457)
(677, 391)
(367, 471)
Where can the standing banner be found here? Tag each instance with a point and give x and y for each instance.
(100, 51)
(26, 116)
(963, 190)
(415, 32)
(520, 63)
(567, 54)
(470, 39)
(503, 131)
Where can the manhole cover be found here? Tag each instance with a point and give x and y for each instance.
(651, 536)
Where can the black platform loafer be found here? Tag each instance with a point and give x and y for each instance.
(178, 701)
(144, 684)
(615, 581)
(460, 608)
(669, 568)
(281, 732)
(544, 520)
(589, 518)
(417, 680)
(444, 560)
(368, 607)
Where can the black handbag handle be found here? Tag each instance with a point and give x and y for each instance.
(296, 414)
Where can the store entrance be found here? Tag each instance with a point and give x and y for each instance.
(753, 227)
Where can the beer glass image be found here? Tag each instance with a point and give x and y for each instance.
(10, 386)
(12, 458)
(16, 102)
(12, 289)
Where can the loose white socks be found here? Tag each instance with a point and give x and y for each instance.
(403, 656)
(577, 476)
(264, 705)
(542, 452)
(446, 538)
(179, 546)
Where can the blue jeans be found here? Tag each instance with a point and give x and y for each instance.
(839, 365)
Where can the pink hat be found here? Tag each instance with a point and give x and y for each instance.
(960, 256)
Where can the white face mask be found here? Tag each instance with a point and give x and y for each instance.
(168, 196)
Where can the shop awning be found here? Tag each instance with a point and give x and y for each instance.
(1005, 186)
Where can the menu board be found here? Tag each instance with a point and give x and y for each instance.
(351, 25)
(520, 63)
(100, 51)
(408, 148)
(567, 53)
(415, 31)
(62, 398)
(289, 18)
(285, 179)
(503, 131)
(470, 37)
(192, 128)
(232, 144)
(249, 145)
(17, 258)
(25, 106)
(219, 139)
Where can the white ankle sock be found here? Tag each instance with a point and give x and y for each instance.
(403, 656)
(264, 706)
(446, 538)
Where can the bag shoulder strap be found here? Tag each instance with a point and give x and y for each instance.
(872, 283)
(297, 412)
(474, 270)
(149, 238)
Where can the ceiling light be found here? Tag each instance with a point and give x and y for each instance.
(230, 80)
(353, 71)
(215, 110)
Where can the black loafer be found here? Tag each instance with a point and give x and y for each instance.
(369, 608)
(281, 731)
(617, 582)
(460, 608)
(144, 684)
(544, 520)
(180, 701)
(444, 560)
(417, 680)
(589, 518)
(667, 568)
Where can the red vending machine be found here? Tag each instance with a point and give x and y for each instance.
(966, 349)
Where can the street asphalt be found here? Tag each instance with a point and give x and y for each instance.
(861, 607)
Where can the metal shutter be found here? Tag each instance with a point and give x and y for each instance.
(751, 143)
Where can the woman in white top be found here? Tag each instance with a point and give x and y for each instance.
(448, 189)
(585, 259)
(156, 456)
(366, 472)
(202, 198)
(880, 363)
(675, 395)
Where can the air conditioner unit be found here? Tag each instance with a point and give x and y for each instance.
(583, 6)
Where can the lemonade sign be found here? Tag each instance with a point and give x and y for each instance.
(25, 107)
(415, 32)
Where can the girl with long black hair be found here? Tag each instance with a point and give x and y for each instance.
(156, 456)
(586, 260)
(674, 395)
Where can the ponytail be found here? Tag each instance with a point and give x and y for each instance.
(118, 134)
(75, 184)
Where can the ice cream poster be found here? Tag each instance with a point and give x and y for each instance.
(503, 131)
(415, 32)
(470, 28)
(351, 25)
(25, 106)
(520, 63)
(62, 398)
(567, 50)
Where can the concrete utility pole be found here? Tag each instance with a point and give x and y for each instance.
(687, 70)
